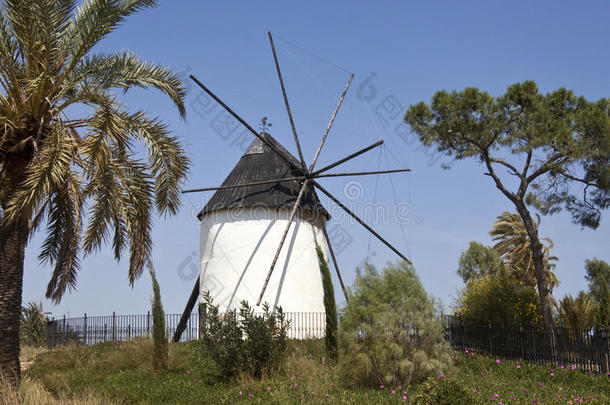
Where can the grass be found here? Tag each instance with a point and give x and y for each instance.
(122, 373)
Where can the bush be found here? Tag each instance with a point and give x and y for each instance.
(248, 342)
(443, 391)
(500, 299)
(390, 332)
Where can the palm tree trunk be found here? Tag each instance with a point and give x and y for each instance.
(539, 271)
(13, 240)
(12, 251)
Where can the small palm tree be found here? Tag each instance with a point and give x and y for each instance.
(577, 314)
(33, 324)
(69, 149)
(513, 244)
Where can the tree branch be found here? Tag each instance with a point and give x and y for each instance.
(505, 163)
(496, 179)
(545, 167)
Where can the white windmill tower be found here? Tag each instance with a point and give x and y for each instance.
(267, 215)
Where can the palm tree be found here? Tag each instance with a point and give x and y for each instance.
(513, 244)
(577, 314)
(33, 324)
(69, 149)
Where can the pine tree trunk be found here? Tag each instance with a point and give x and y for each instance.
(12, 250)
(539, 271)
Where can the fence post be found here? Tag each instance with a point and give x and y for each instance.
(491, 351)
(113, 326)
(85, 329)
(605, 350)
(148, 324)
(64, 330)
(533, 329)
(521, 340)
(461, 333)
(105, 331)
(129, 331)
(202, 312)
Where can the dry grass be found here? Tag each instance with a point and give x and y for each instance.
(33, 393)
(29, 353)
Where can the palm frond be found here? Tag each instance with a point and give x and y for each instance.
(45, 173)
(66, 258)
(124, 71)
(104, 188)
(20, 15)
(169, 163)
(93, 20)
(137, 195)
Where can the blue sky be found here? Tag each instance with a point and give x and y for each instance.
(401, 52)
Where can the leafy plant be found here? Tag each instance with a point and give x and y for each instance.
(478, 261)
(390, 332)
(596, 270)
(443, 391)
(501, 300)
(244, 342)
(33, 325)
(577, 314)
(160, 348)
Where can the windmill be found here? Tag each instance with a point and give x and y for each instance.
(269, 178)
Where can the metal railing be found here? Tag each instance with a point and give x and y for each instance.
(90, 330)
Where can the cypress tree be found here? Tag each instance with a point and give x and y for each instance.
(161, 347)
(602, 319)
(330, 307)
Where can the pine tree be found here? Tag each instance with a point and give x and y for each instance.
(330, 307)
(161, 348)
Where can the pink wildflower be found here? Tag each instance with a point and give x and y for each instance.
(268, 388)
(497, 361)
(518, 366)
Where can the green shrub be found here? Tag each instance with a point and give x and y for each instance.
(390, 333)
(443, 391)
(248, 342)
(160, 350)
(330, 307)
(500, 299)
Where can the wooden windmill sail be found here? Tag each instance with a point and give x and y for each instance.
(268, 175)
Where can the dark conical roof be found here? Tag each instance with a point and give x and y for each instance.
(260, 163)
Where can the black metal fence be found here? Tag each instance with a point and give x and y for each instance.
(588, 351)
(96, 329)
